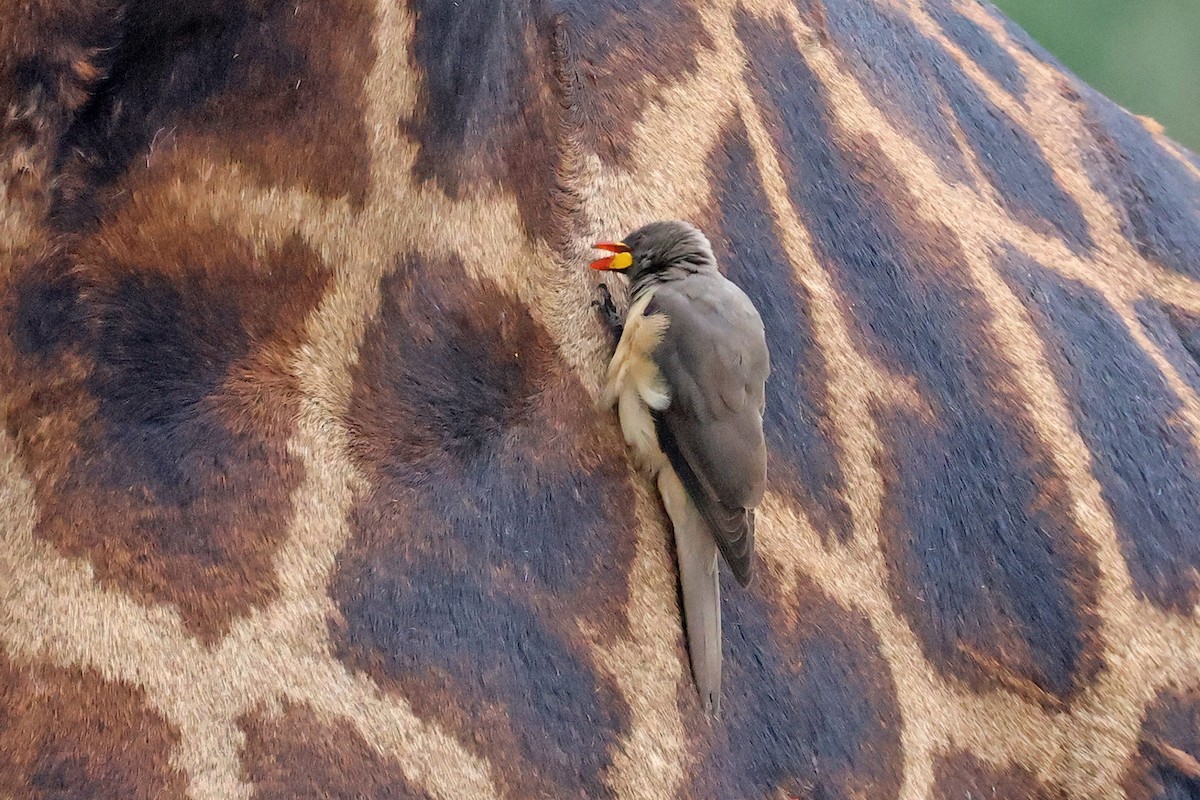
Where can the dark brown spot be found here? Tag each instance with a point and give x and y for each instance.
(151, 396)
(294, 104)
(71, 735)
(1143, 454)
(1155, 193)
(985, 561)
(297, 754)
(274, 85)
(1187, 328)
(52, 57)
(797, 425)
(499, 520)
(1176, 332)
(622, 54)
(962, 776)
(809, 706)
(978, 45)
(881, 54)
(500, 82)
(46, 309)
(915, 78)
(1167, 765)
(486, 110)
(813, 13)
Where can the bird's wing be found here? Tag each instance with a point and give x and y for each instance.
(715, 362)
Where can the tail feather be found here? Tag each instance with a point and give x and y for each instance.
(698, 575)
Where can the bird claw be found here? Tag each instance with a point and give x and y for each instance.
(607, 310)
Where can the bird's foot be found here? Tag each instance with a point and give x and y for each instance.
(609, 315)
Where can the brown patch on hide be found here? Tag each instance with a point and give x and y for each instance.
(295, 107)
(276, 86)
(297, 754)
(53, 54)
(622, 54)
(149, 389)
(810, 706)
(499, 520)
(486, 111)
(1154, 193)
(1015, 607)
(71, 735)
(1167, 764)
(961, 776)
(1143, 454)
(926, 92)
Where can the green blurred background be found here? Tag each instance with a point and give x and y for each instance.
(1144, 54)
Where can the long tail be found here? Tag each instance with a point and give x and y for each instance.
(697, 553)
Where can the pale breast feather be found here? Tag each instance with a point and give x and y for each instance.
(636, 385)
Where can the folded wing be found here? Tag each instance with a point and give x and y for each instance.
(714, 359)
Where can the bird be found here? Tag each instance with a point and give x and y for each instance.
(688, 379)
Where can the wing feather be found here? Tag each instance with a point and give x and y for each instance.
(714, 359)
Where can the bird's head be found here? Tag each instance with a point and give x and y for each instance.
(656, 248)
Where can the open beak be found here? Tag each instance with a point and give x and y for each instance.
(621, 258)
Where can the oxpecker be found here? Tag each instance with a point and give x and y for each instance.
(688, 380)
